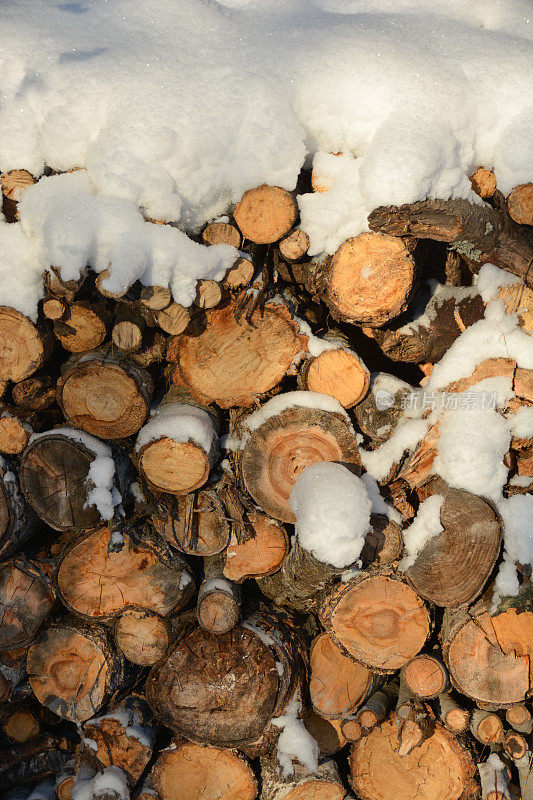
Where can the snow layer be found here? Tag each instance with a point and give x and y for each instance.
(332, 510)
(181, 423)
(295, 741)
(425, 526)
(490, 278)
(178, 109)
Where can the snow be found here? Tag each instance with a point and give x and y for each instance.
(406, 436)
(215, 585)
(157, 107)
(295, 741)
(379, 506)
(112, 781)
(44, 791)
(332, 510)
(104, 494)
(180, 422)
(521, 423)
(278, 404)
(490, 279)
(425, 526)
(517, 516)
(185, 580)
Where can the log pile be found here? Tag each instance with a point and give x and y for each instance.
(165, 635)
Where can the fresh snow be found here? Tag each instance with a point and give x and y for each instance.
(316, 400)
(425, 526)
(167, 117)
(332, 510)
(295, 741)
(180, 422)
(490, 279)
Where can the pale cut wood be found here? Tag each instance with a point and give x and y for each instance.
(236, 362)
(142, 574)
(221, 233)
(294, 246)
(14, 435)
(279, 449)
(173, 319)
(383, 543)
(54, 308)
(520, 204)
(454, 717)
(188, 771)
(437, 769)
(337, 684)
(83, 327)
(23, 345)
(156, 298)
(369, 280)
(265, 214)
(73, 670)
(520, 718)
(104, 393)
(324, 784)
(217, 605)
(483, 182)
(26, 601)
(208, 294)
(327, 733)
(377, 619)
(143, 636)
(128, 327)
(339, 373)
(240, 274)
(486, 727)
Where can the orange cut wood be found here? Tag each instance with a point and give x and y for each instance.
(259, 555)
(22, 349)
(175, 467)
(338, 373)
(221, 233)
(483, 182)
(425, 676)
(338, 685)
(265, 214)
(520, 204)
(234, 363)
(143, 636)
(14, 435)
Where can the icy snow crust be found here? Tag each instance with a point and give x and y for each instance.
(178, 108)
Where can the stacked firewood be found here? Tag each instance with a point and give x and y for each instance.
(164, 634)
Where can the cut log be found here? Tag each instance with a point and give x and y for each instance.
(128, 327)
(339, 373)
(454, 716)
(515, 745)
(83, 327)
(17, 520)
(178, 446)
(369, 280)
(21, 726)
(14, 434)
(480, 233)
(327, 733)
(236, 362)
(54, 474)
(260, 555)
(156, 298)
(24, 346)
(520, 204)
(239, 275)
(73, 670)
(425, 676)
(143, 574)
(376, 619)
(525, 772)
(352, 730)
(104, 393)
(483, 182)
(375, 709)
(26, 600)
(143, 636)
(14, 183)
(208, 294)
(283, 445)
(383, 543)
(338, 685)
(380, 411)
(324, 784)
(221, 233)
(265, 214)
(54, 308)
(35, 393)
(488, 657)
(453, 567)
(520, 718)
(122, 738)
(294, 246)
(437, 769)
(173, 319)
(486, 727)
(188, 771)
(194, 524)
(217, 606)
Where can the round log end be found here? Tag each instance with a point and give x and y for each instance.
(174, 467)
(520, 204)
(265, 214)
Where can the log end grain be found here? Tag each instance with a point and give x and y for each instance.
(265, 214)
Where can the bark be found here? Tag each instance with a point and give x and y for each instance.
(194, 524)
(35, 393)
(104, 393)
(453, 715)
(327, 733)
(217, 606)
(18, 522)
(235, 362)
(26, 601)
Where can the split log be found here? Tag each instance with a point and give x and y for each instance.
(265, 214)
(73, 670)
(454, 716)
(104, 393)
(285, 443)
(437, 769)
(453, 566)
(24, 345)
(235, 362)
(488, 657)
(188, 771)
(338, 685)
(520, 204)
(195, 523)
(122, 738)
(486, 727)
(369, 280)
(26, 601)
(178, 446)
(35, 393)
(221, 233)
(260, 555)
(143, 573)
(217, 606)
(480, 233)
(83, 327)
(226, 689)
(338, 372)
(425, 676)
(483, 182)
(324, 784)
(294, 247)
(377, 619)
(14, 184)
(143, 636)
(54, 476)
(520, 718)
(17, 520)
(383, 543)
